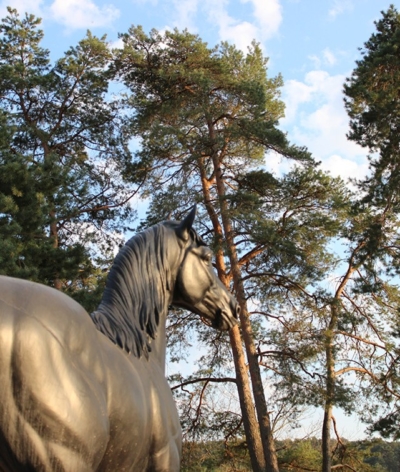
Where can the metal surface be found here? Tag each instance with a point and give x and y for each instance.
(81, 393)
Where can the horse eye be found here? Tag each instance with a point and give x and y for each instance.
(208, 257)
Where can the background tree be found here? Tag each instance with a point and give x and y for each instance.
(372, 102)
(324, 335)
(62, 153)
(371, 99)
(207, 116)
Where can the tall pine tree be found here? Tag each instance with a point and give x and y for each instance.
(62, 154)
(205, 117)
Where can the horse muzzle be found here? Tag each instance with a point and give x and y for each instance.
(225, 320)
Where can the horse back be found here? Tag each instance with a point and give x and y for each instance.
(53, 402)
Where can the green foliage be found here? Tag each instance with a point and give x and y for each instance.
(299, 455)
(293, 217)
(191, 102)
(215, 456)
(62, 155)
(371, 92)
(294, 456)
(373, 106)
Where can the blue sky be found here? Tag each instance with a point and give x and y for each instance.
(312, 43)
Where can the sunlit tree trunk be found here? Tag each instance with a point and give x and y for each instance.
(330, 388)
(255, 373)
(243, 385)
(330, 367)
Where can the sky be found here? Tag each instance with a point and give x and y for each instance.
(313, 44)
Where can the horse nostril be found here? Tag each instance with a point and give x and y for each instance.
(237, 311)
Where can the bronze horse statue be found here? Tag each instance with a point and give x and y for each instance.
(82, 393)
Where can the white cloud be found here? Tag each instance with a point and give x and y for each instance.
(185, 11)
(76, 14)
(345, 168)
(339, 7)
(143, 2)
(267, 19)
(295, 93)
(316, 118)
(318, 86)
(276, 164)
(241, 34)
(117, 44)
(316, 61)
(267, 15)
(327, 58)
(22, 6)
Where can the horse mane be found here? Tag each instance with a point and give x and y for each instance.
(135, 295)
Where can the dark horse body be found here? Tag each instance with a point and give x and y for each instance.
(89, 394)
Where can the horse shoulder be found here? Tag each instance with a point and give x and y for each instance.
(166, 430)
(53, 403)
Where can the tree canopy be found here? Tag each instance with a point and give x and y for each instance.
(62, 154)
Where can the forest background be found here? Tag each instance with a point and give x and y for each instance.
(311, 258)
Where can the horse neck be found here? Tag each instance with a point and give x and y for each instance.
(159, 344)
(122, 304)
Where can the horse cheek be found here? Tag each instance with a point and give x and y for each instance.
(193, 283)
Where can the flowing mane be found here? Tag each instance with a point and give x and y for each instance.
(135, 295)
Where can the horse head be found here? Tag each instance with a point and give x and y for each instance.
(168, 264)
(197, 287)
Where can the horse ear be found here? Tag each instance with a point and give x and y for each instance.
(186, 225)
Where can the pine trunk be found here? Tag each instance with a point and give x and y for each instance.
(256, 380)
(255, 373)
(53, 221)
(330, 389)
(267, 440)
(251, 428)
(326, 439)
(330, 371)
(54, 237)
(246, 404)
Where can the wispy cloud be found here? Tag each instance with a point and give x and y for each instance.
(316, 118)
(22, 6)
(339, 7)
(78, 14)
(185, 14)
(267, 17)
(144, 2)
(327, 58)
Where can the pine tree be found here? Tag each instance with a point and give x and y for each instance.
(205, 116)
(371, 99)
(62, 154)
(372, 102)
